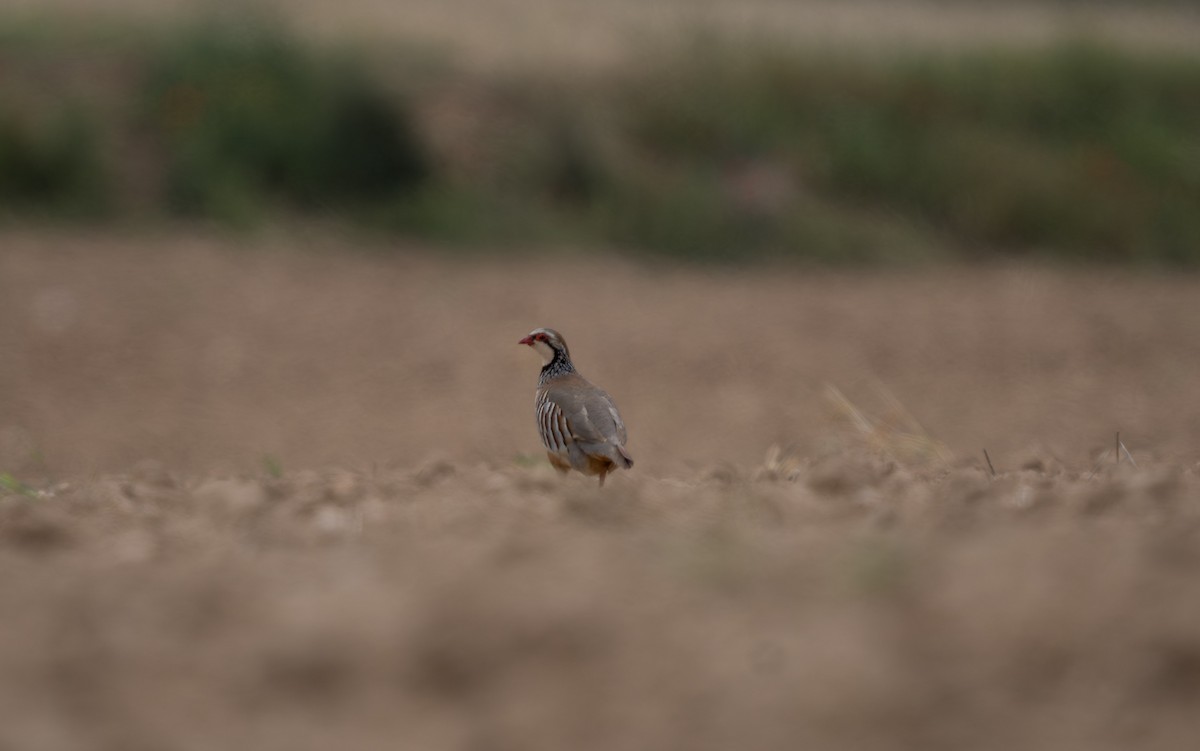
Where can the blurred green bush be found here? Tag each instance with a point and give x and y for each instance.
(715, 153)
(245, 115)
(1078, 151)
(51, 164)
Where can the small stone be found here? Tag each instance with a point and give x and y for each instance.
(233, 496)
(331, 520)
(434, 472)
(343, 487)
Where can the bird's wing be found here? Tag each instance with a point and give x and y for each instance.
(590, 414)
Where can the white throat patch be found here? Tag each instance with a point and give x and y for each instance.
(545, 350)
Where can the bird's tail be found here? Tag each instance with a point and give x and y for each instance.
(626, 459)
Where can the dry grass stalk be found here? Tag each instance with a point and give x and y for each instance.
(895, 432)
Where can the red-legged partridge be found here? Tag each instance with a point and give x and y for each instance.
(579, 424)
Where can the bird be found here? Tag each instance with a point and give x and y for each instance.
(579, 424)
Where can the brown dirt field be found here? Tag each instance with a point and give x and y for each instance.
(409, 573)
(208, 355)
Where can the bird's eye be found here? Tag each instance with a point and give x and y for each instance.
(540, 337)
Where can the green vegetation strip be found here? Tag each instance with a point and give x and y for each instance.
(713, 153)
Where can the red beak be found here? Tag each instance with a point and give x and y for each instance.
(527, 340)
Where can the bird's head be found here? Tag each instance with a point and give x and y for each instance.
(547, 342)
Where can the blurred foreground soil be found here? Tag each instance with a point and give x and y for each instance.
(846, 603)
(265, 494)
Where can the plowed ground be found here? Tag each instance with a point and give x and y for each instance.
(271, 495)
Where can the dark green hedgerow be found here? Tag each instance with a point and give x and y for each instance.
(50, 163)
(246, 114)
(1077, 151)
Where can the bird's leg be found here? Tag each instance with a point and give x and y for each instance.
(602, 474)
